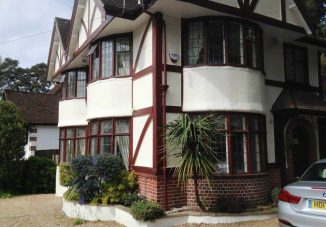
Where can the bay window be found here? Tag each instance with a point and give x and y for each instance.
(110, 136)
(74, 84)
(241, 143)
(111, 57)
(222, 41)
(72, 143)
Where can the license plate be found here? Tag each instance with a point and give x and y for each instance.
(317, 204)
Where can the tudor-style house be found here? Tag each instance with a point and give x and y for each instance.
(130, 67)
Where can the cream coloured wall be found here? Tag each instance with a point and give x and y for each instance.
(109, 98)
(173, 94)
(145, 58)
(72, 112)
(171, 159)
(143, 92)
(210, 88)
(145, 155)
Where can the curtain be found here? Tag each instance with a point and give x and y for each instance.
(196, 42)
(122, 149)
(123, 63)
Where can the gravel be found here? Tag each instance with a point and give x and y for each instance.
(38, 211)
(45, 211)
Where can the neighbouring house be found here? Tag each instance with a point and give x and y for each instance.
(128, 68)
(40, 112)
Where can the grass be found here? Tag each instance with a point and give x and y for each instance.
(5, 195)
(79, 221)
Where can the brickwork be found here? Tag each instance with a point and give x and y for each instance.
(255, 189)
(275, 176)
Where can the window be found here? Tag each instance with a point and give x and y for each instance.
(72, 143)
(111, 57)
(74, 84)
(296, 64)
(322, 73)
(221, 41)
(241, 143)
(110, 136)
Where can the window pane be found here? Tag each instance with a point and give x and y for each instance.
(93, 146)
(62, 133)
(317, 172)
(107, 58)
(80, 132)
(221, 151)
(235, 44)
(81, 83)
(295, 64)
(105, 144)
(70, 133)
(322, 69)
(95, 65)
(195, 50)
(122, 56)
(94, 128)
(71, 84)
(80, 147)
(255, 152)
(63, 90)
(62, 148)
(215, 42)
(238, 122)
(251, 48)
(239, 158)
(106, 127)
(121, 149)
(122, 126)
(69, 150)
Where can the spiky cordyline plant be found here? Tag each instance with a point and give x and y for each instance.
(194, 137)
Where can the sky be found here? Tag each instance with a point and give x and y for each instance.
(30, 21)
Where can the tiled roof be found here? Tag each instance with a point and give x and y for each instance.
(36, 108)
(63, 26)
(305, 101)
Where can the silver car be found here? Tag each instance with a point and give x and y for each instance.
(303, 203)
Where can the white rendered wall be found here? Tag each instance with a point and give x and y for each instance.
(269, 8)
(109, 98)
(143, 92)
(173, 38)
(173, 94)
(145, 57)
(72, 112)
(47, 138)
(233, 3)
(145, 155)
(210, 88)
(172, 160)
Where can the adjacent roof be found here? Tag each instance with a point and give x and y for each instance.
(297, 100)
(63, 27)
(36, 108)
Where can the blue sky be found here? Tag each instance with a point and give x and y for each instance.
(19, 19)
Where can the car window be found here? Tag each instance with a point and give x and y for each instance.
(316, 172)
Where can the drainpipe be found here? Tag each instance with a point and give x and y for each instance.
(164, 89)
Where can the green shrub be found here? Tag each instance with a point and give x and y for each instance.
(39, 175)
(129, 198)
(5, 195)
(146, 211)
(66, 175)
(93, 176)
(274, 195)
(79, 221)
(230, 205)
(71, 195)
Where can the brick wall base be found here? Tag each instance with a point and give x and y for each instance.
(254, 189)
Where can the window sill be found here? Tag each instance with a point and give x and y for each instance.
(71, 98)
(108, 78)
(222, 65)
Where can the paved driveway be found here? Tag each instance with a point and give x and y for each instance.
(45, 210)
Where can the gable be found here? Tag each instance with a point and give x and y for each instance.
(58, 48)
(87, 17)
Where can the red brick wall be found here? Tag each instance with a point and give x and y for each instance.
(255, 189)
(275, 176)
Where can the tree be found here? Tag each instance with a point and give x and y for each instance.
(317, 11)
(194, 137)
(12, 140)
(23, 79)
